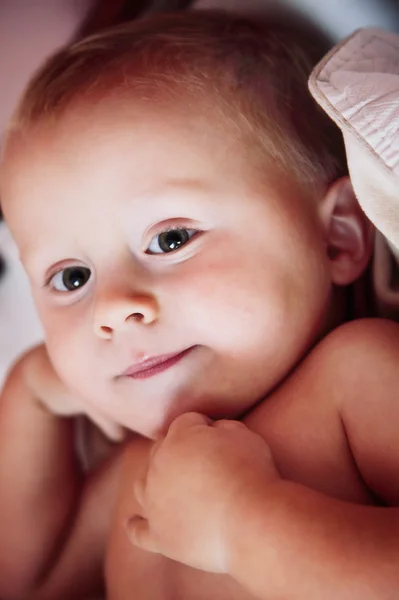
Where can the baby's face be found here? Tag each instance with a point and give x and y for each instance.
(167, 276)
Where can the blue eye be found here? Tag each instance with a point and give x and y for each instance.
(70, 279)
(170, 240)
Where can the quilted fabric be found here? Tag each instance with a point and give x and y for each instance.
(357, 83)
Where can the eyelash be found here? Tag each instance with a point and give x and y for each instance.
(191, 231)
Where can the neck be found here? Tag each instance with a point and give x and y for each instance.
(339, 310)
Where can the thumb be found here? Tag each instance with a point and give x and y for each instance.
(186, 420)
(138, 531)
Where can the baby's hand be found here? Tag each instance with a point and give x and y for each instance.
(197, 476)
(49, 391)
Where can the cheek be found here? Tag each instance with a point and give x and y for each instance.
(252, 299)
(225, 301)
(67, 346)
(67, 362)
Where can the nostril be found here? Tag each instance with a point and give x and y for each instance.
(107, 331)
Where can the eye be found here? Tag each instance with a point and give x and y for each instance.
(70, 279)
(170, 240)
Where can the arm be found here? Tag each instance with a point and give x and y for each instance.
(49, 533)
(288, 541)
(214, 501)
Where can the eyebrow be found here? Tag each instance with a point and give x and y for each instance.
(186, 183)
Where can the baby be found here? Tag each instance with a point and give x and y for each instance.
(181, 208)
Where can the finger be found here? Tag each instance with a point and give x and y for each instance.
(154, 449)
(189, 420)
(228, 424)
(138, 531)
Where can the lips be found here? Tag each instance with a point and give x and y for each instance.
(154, 365)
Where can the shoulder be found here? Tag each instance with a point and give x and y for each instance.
(360, 343)
(357, 360)
(360, 363)
(364, 358)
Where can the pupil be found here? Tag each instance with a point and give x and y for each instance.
(171, 240)
(75, 278)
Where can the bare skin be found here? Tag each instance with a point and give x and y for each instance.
(316, 454)
(329, 452)
(346, 424)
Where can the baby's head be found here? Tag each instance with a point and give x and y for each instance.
(174, 192)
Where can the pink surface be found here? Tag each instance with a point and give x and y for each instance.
(30, 30)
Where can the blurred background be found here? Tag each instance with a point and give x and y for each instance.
(30, 30)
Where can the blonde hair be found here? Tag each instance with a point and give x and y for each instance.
(254, 71)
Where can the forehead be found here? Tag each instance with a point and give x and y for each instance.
(95, 154)
(94, 144)
(81, 138)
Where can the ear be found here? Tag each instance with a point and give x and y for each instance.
(349, 234)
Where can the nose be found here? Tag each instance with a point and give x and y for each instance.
(117, 312)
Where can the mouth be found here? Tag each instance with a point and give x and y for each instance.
(154, 365)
